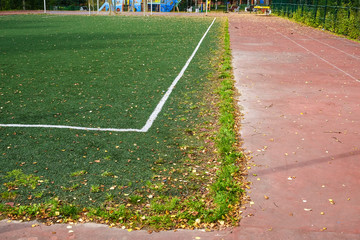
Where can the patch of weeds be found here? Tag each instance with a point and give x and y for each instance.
(95, 188)
(160, 161)
(161, 205)
(38, 195)
(78, 173)
(227, 187)
(161, 222)
(107, 174)
(8, 195)
(69, 210)
(20, 179)
(136, 199)
(110, 197)
(71, 188)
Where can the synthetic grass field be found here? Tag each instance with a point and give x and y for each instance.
(91, 72)
(107, 72)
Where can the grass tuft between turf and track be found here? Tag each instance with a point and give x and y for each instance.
(184, 173)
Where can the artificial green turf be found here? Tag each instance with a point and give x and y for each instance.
(105, 72)
(56, 69)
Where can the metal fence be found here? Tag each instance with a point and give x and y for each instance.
(340, 16)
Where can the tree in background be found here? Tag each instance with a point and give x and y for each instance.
(39, 4)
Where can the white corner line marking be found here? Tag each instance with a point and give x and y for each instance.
(150, 120)
(352, 77)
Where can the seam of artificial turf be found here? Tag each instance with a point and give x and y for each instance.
(215, 210)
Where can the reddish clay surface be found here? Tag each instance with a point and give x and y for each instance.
(300, 100)
(300, 91)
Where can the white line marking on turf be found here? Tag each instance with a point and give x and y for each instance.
(160, 105)
(72, 127)
(349, 75)
(150, 120)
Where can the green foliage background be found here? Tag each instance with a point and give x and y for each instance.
(39, 4)
(339, 16)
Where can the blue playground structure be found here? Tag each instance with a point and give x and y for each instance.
(167, 5)
(135, 5)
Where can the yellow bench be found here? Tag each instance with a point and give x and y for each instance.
(264, 9)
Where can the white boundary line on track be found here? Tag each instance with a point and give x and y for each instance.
(350, 55)
(150, 120)
(349, 75)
